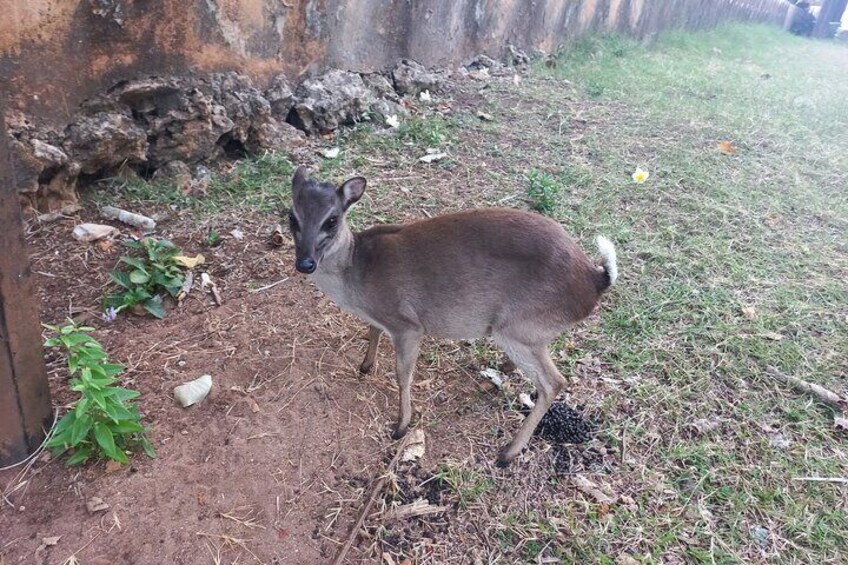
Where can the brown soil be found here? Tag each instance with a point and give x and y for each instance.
(275, 465)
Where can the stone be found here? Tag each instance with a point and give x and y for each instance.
(105, 140)
(482, 62)
(176, 173)
(180, 116)
(516, 57)
(411, 77)
(380, 86)
(382, 110)
(323, 103)
(280, 95)
(272, 134)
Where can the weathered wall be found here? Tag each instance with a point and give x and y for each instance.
(56, 53)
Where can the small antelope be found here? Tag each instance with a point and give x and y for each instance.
(513, 275)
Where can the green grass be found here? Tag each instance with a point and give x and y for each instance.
(706, 239)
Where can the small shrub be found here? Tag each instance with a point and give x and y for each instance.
(467, 484)
(542, 192)
(213, 239)
(152, 273)
(103, 423)
(594, 89)
(431, 132)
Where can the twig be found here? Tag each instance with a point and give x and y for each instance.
(822, 394)
(375, 491)
(60, 213)
(186, 288)
(840, 480)
(269, 286)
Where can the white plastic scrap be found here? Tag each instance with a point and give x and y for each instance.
(194, 391)
(493, 375)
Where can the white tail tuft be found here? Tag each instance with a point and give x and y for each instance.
(607, 250)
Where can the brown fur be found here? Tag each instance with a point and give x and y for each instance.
(509, 274)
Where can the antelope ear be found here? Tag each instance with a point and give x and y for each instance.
(301, 175)
(351, 191)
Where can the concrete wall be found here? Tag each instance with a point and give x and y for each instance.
(56, 53)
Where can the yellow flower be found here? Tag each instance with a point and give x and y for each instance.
(640, 176)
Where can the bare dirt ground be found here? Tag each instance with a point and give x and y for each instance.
(730, 264)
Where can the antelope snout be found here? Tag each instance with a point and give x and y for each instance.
(306, 265)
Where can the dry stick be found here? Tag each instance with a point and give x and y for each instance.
(269, 286)
(378, 488)
(824, 395)
(839, 480)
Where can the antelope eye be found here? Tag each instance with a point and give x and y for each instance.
(293, 225)
(330, 223)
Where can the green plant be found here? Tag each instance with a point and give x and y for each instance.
(467, 484)
(542, 192)
(103, 422)
(214, 238)
(151, 273)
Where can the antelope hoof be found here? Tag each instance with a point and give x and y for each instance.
(399, 432)
(505, 458)
(365, 368)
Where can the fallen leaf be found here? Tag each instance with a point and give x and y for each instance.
(727, 147)
(840, 423)
(589, 488)
(112, 466)
(189, 262)
(774, 336)
(749, 312)
(485, 117)
(493, 375)
(331, 153)
(432, 157)
(415, 446)
(52, 540)
(254, 407)
(105, 245)
(704, 425)
(393, 121)
(420, 507)
(526, 400)
(779, 441)
(95, 504)
(237, 234)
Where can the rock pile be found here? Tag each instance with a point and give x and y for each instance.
(166, 127)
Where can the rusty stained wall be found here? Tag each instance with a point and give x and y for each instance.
(56, 53)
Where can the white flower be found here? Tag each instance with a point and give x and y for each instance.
(393, 121)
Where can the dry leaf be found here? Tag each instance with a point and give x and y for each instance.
(254, 407)
(432, 157)
(749, 312)
(105, 245)
(112, 466)
(774, 336)
(415, 446)
(589, 488)
(419, 507)
(189, 262)
(53, 540)
(95, 504)
(704, 425)
(727, 147)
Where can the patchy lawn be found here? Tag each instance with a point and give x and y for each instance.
(731, 262)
